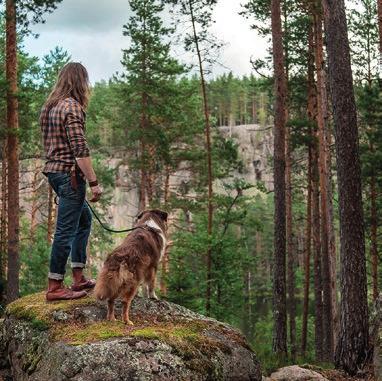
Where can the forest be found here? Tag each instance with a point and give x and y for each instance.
(272, 180)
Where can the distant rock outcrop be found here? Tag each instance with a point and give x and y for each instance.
(72, 341)
(255, 150)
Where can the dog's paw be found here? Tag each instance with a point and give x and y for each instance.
(111, 318)
(128, 322)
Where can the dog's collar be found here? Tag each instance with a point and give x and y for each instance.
(152, 224)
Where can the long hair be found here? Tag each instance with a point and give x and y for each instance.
(72, 81)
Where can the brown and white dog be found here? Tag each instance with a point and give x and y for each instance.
(133, 263)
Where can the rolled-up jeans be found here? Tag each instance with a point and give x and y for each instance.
(73, 225)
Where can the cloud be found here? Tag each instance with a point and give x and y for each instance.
(87, 16)
(91, 31)
(241, 41)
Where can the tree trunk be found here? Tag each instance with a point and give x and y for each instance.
(332, 242)
(254, 110)
(317, 255)
(13, 154)
(207, 132)
(143, 126)
(34, 205)
(247, 318)
(142, 184)
(143, 169)
(322, 116)
(311, 110)
(304, 331)
(165, 259)
(373, 236)
(279, 276)
(352, 348)
(290, 249)
(373, 191)
(3, 223)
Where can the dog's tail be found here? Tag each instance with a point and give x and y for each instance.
(109, 282)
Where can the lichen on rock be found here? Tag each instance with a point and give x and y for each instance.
(71, 340)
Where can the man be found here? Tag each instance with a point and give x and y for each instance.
(67, 168)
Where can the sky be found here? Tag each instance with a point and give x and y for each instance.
(91, 31)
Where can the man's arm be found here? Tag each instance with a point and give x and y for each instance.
(85, 164)
(75, 130)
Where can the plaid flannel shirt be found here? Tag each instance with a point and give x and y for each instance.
(63, 131)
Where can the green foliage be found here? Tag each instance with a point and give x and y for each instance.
(236, 218)
(264, 335)
(370, 108)
(364, 40)
(34, 259)
(52, 64)
(362, 15)
(235, 101)
(150, 116)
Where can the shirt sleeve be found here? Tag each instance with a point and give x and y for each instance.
(75, 129)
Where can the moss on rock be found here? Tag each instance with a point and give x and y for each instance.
(189, 340)
(79, 334)
(35, 309)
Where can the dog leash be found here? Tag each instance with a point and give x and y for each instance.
(106, 227)
(101, 223)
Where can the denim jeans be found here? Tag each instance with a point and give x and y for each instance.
(73, 225)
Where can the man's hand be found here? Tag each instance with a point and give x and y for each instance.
(96, 192)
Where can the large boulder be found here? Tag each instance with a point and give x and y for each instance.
(296, 373)
(72, 341)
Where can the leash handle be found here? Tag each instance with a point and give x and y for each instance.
(106, 227)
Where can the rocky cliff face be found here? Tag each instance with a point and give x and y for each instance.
(72, 341)
(255, 145)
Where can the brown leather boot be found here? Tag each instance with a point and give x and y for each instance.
(80, 282)
(56, 291)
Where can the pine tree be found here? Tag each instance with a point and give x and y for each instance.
(352, 347)
(311, 112)
(198, 14)
(26, 11)
(149, 72)
(322, 122)
(12, 153)
(365, 42)
(279, 286)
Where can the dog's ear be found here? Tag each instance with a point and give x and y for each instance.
(163, 215)
(139, 215)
